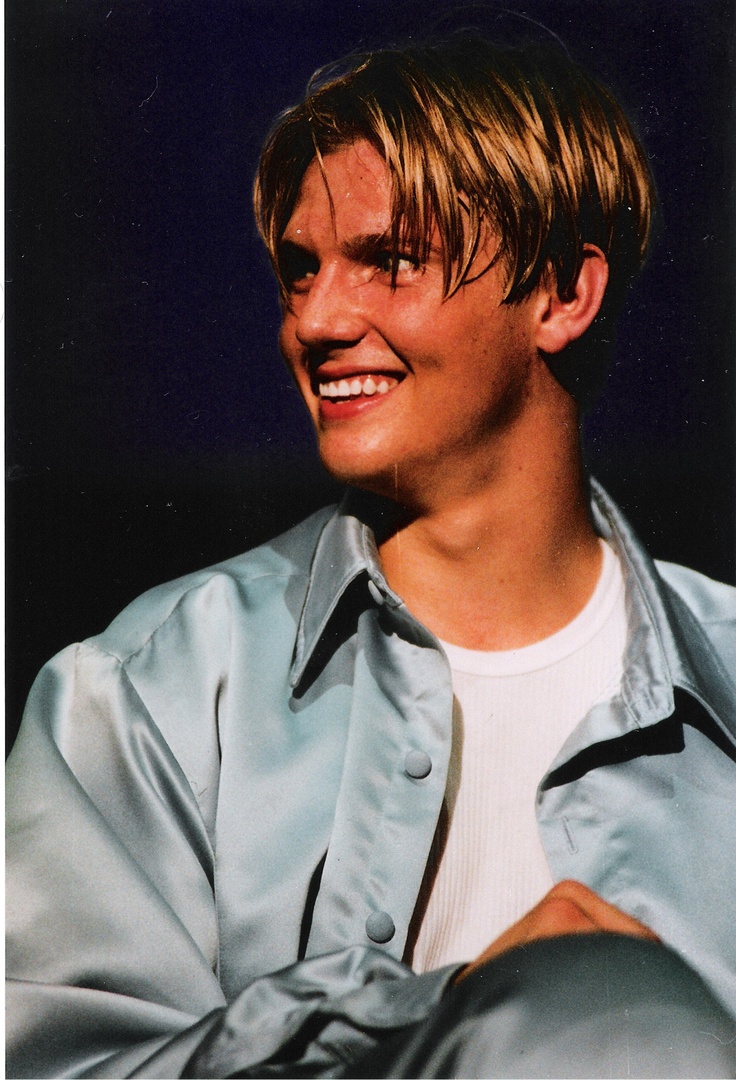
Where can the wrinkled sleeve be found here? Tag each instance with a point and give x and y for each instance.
(112, 926)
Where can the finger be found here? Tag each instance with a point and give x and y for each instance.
(566, 895)
(568, 908)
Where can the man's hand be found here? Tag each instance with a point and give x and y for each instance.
(568, 908)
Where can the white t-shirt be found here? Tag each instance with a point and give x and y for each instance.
(512, 712)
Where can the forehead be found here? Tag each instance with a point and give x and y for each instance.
(348, 192)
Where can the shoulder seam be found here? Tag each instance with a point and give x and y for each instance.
(671, 587)
(215, 573)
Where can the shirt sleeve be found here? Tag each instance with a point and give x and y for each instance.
(112, 953)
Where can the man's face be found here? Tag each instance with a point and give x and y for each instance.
(412, 395)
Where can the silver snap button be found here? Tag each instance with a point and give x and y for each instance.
(380, 927)
(375, 592)
(417, 764)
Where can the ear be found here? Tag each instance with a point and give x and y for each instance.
(563, 320)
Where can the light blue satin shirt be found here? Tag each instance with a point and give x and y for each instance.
(232, 780)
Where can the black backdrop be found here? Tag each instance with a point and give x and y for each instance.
(151, 428)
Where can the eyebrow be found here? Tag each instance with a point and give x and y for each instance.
(364, 247)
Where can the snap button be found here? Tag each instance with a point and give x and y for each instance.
(380, 927)
(375, 592)
(417, 764)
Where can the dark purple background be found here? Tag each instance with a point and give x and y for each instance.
(151, 428)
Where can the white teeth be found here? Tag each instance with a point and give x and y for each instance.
(356, 386)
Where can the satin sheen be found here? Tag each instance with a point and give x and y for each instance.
(214, 789)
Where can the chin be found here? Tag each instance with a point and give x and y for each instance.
(372, 461)
(378, 479)
(386, 481)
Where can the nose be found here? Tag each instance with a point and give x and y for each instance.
(329, 314)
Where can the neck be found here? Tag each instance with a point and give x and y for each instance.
(503, 563)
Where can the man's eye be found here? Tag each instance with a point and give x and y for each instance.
(300, 282)
(404, 263)
(297, 269)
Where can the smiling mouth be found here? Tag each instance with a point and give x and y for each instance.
(350, 389)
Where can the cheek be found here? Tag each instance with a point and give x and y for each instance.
(418, 337)
(409, 314)
(290, 348)
(292, 353)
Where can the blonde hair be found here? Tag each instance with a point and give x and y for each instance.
(475, 136)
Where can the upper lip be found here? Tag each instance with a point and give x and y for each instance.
(334, 372)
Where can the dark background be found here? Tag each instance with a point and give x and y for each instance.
(151, 427)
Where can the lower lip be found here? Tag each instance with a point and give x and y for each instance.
(330, 409)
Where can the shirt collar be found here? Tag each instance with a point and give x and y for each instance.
(345, 550)
(662, 652)
(667, 647)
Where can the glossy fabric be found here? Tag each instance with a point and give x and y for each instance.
(214, 789)
(591, 1005)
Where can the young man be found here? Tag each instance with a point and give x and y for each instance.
(292, 815)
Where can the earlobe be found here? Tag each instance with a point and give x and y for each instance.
(563, 320)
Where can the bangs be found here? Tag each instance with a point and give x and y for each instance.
(478, 141)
